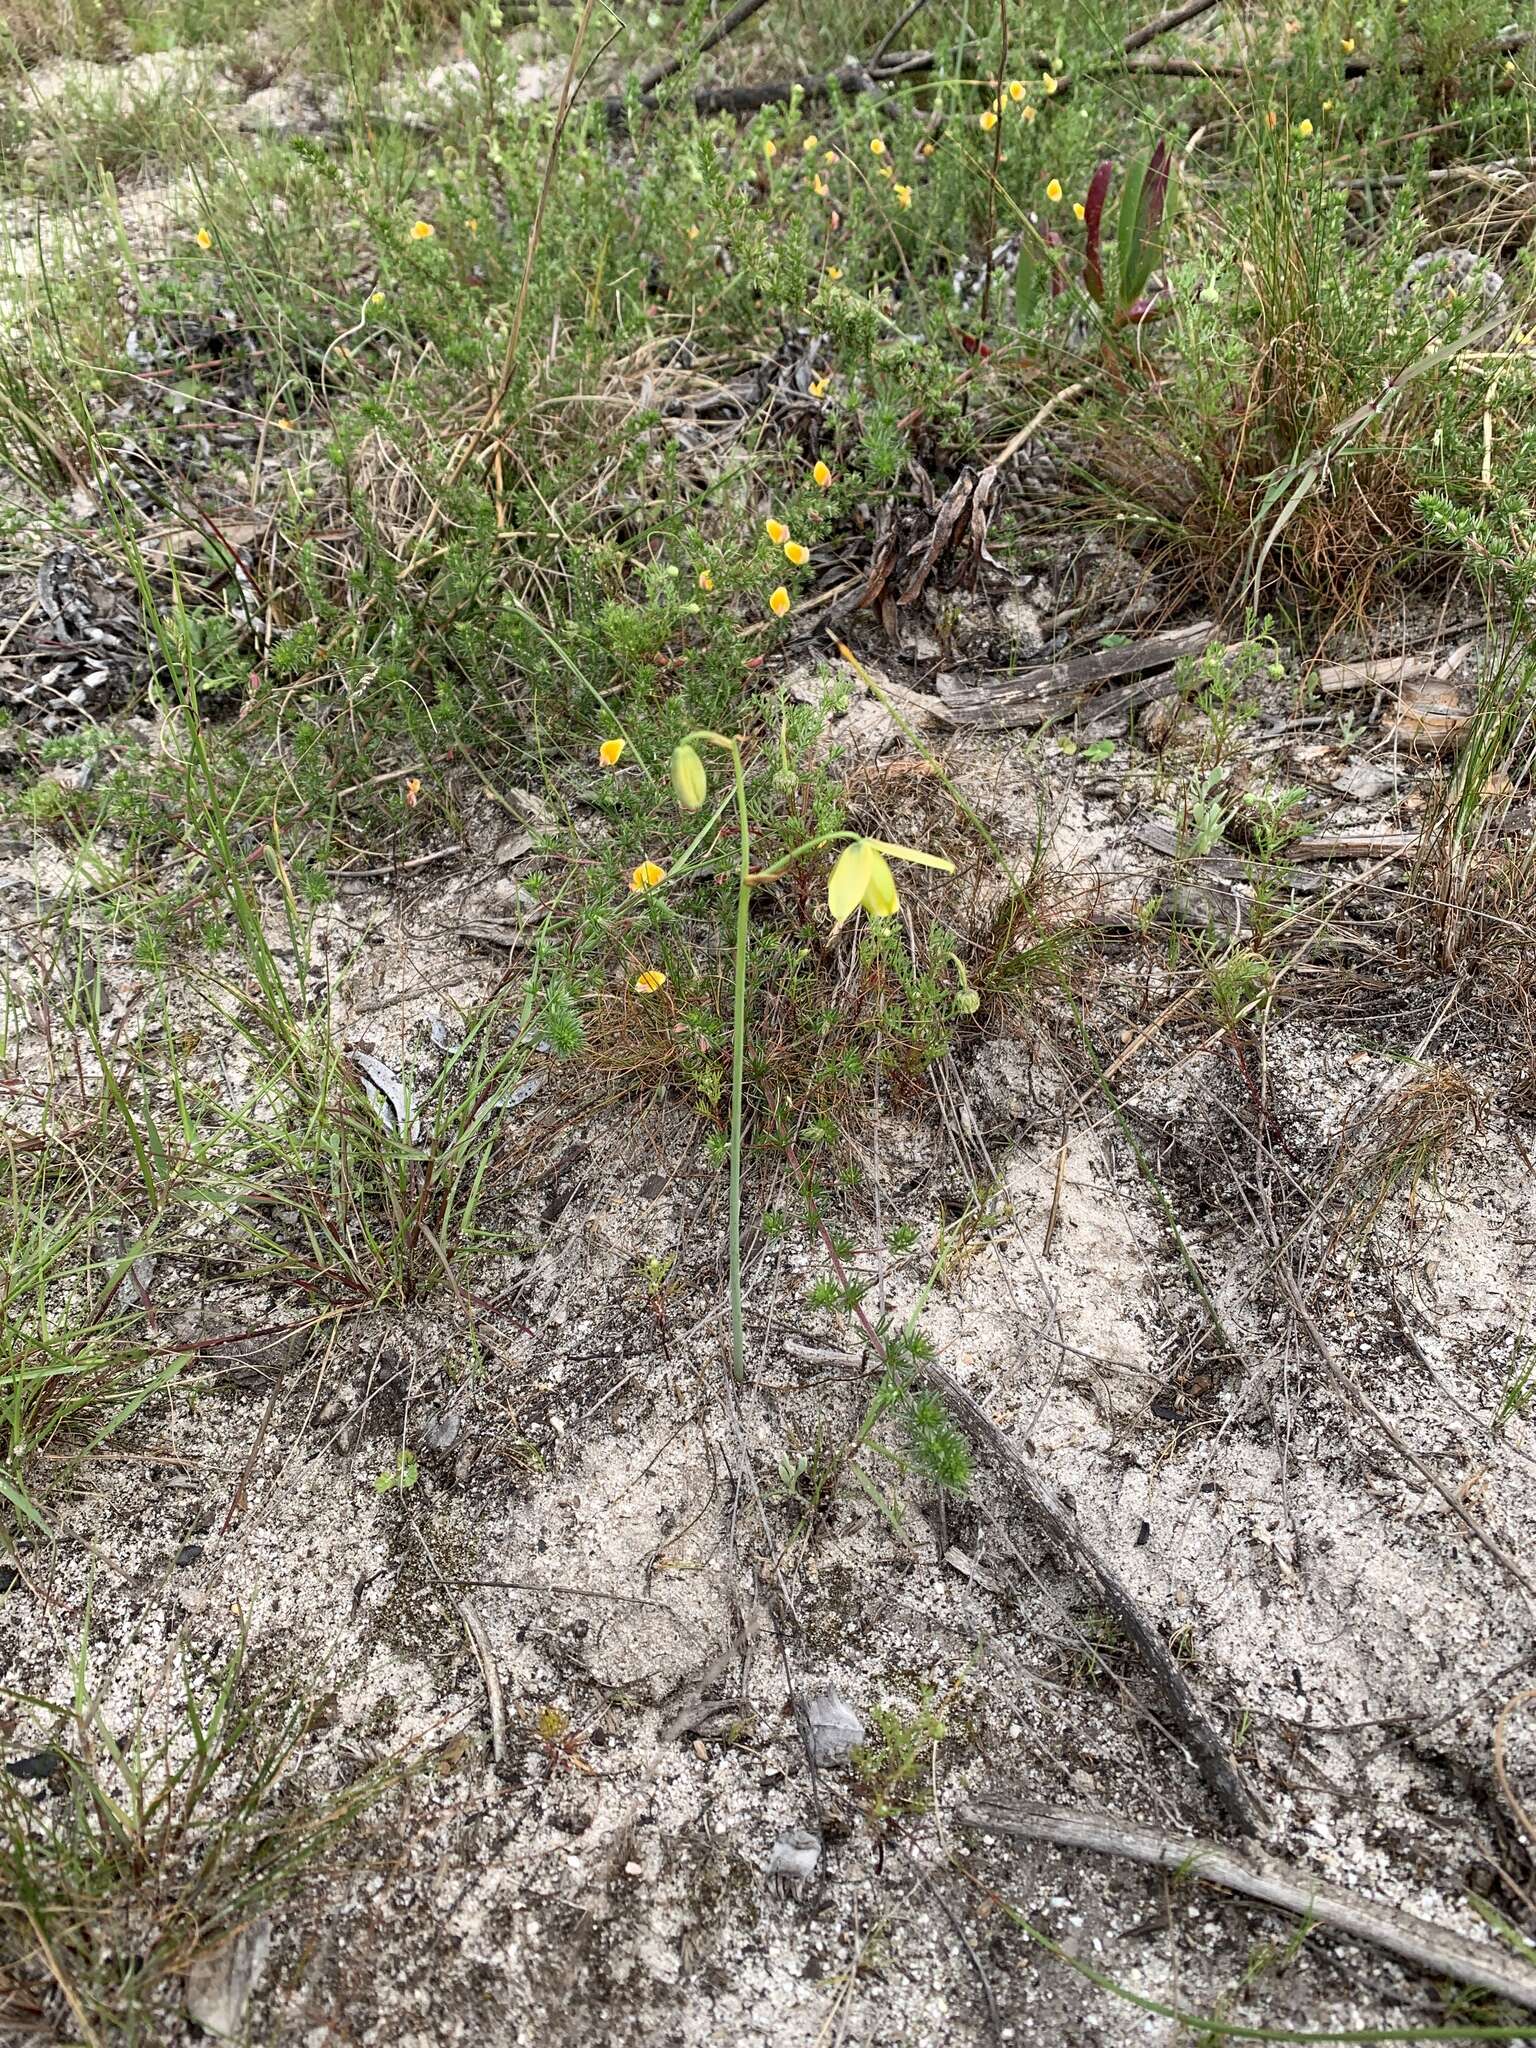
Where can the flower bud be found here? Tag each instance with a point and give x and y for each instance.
(690, 785)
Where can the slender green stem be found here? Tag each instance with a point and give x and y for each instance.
(738, 1061)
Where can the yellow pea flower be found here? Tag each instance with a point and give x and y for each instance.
(1053, 189)
(876, 146)
(810, 145)
(796, 553)
(829, 158)
(820, 186)
(690, 784)
(1347, 45)
(776, 531)
(987, 121)
(375, 298)
(1303, 129)
(693, 234)
(203, 239)
(778, 604)
(1327, 106)
(819, 388)
(609, 753)
(1079, 211)
(423, 231)
(648, 983)
(706, 581)
(647, 876)
(1015, 90)
(1028, 113)
(903, 195)
(926, 150)
(834, 272)
(770, 148)
(473, 225)
(821, 476)
(412, 791)
(1048, 84)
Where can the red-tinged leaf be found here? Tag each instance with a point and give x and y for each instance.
(1093, 221)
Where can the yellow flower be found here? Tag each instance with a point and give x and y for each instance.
(819, 185)
(648, 983)
(375, 298)
(423, 231)
(834, 272)
(926, 150)
(987, 121)
(690, 785)
(797, 554)
(1048, 84)
(887, 170)
(1015, 90)
(778, 604)
(608, 753)
(706, 581)
(1327, 106)
(821, 476)
(473, 225)
(1053, 189)
(819, 388)
(829, 158)
(693, 234)
(1347, 45)
(1079, 211)
(647, 876)
(876, 146)
(1028, 113)
(204, 239)
(285, 423)
(776, 531)
(810, 144)
(903, 195)
(412, 791)
(862, 875)
(1510, 67)
(1303, 129)
(770, 149)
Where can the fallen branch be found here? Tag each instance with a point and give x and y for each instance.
(1138, 38)
(1055, 689)
(1257, 1875)
(851, 79)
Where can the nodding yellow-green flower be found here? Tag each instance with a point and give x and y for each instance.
(1079, 211)
(820, 186)
(473, 225)
(821, 476)
(903, 195)
(1048, 84)
(776, 531)
(778, 604)
(648, 983)
(423, 231)
(203, 239)
(1015, 90)
(609, 753)
(796, 553)
(1347, 45)
(647, 876)
(1028, 113)
(876, 146)
(690, 785)
(1053, 190)
(1303, 129)
(834, 271)
(862, 875)
(706, 581)
(810, 145)
(987, 121)
(770, 148)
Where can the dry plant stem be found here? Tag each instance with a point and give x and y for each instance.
(1257, 1875)
(1216, 1766)
(992, 182)
(1501, 1769)
(1162, 26)
(480, 1643)
(1356, 1394)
